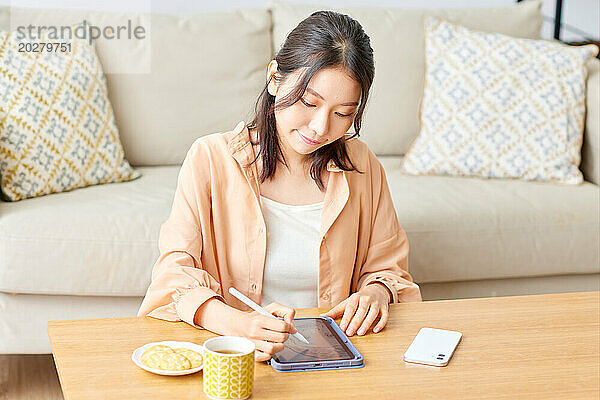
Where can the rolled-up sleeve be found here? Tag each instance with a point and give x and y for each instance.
(387, 256)
(179, 283)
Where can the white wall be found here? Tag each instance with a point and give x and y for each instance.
(581, 14)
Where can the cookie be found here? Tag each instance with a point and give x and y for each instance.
(163, 357)
(153, 355)
(159, 347)
(194, 357)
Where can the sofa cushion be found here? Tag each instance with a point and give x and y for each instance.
(102, 240)
(500, 107)
(397, 38)
(462, 229)
(57, 127)
(189, 76)
(99, 240)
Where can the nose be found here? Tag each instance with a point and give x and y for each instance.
(320, 123)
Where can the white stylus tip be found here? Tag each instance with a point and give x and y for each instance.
(301, 338)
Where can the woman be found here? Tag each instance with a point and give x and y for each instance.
(287, 209)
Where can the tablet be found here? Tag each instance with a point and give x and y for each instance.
(328, 348)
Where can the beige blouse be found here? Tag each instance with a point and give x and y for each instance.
(215, 236)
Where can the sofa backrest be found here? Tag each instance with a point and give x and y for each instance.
(590, 152)
(397, 37)
(192, 75)
(201, 73)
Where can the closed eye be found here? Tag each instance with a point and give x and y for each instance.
(307, 104)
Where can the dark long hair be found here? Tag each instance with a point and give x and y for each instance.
(324, 39)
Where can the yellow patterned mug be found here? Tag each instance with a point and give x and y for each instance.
(228, 371)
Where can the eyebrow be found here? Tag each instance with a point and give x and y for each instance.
(351, 103)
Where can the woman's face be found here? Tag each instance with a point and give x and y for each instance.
(323, 114)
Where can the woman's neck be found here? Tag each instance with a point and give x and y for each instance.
(296, 164)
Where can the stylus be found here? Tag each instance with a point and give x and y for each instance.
(261, 310)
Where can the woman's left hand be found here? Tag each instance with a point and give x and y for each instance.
(361, 309)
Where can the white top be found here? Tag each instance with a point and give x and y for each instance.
(291, 274)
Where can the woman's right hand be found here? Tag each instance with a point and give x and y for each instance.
(269, 334)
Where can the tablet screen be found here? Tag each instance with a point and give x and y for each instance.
(324, 344)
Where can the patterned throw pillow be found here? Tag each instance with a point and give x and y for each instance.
(500, 107)
(57, 129)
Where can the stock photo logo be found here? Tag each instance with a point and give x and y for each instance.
(83, 30)
(123, 40)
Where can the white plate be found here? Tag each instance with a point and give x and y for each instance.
(137, 355)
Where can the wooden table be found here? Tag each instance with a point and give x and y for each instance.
(543, 346)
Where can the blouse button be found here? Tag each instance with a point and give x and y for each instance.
(253, 286)
(325, 296)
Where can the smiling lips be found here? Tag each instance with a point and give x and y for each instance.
(308, 141)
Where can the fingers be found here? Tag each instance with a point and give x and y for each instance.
(349, 310)
(383, 321)
(269, 334)
(265, 350)
(280, 310)
(371, 317)
(260, 356)
(289, 318)
(284, 312)
(268, 348)
(273, 330)
(336, 311)
(276, 325)
(360, 313)
(272, 336)
(363, 307)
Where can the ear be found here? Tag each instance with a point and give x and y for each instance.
(271, 71)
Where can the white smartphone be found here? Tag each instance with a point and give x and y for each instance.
(432, 347)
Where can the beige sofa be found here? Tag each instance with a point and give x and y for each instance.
(89, 253)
